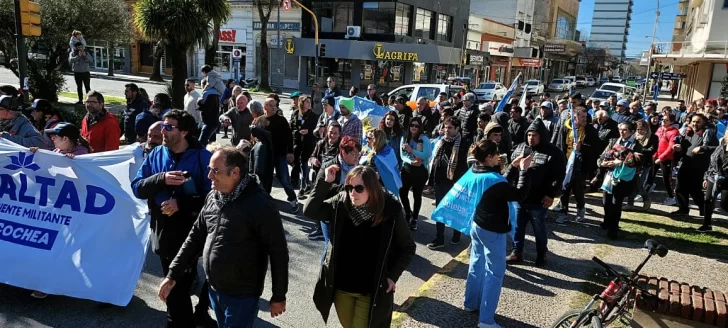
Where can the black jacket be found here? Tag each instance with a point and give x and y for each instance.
(506, 144)
(404, 115)
(590, 148)
(697, 163)
(304, 143)
(210, 109)
(492, 212)
(262, 159)
(462, 166)
(236, 242)
(325, 152)
(649, 150)
(133, 108)
(717, 166)
(517, 129)
(395, 252)
(607, 131)
(281, 135)
(375, 99)
(429, 121)
(547, 170)
(468, 122)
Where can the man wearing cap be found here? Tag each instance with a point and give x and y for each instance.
(295, 95)
(548, 119)
(372, 95)
(622, 114)
(15, 127)
(45, 117)
(350, 124)
(488, 108)
(329, 115)
(468, 116)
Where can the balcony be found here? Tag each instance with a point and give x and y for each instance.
(682, 4)
(683, 53)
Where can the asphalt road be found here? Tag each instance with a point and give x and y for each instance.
(18, 309)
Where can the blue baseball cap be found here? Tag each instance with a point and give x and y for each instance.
(623, 102)
(548, 105)
(64, 129)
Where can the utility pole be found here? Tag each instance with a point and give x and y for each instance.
(20, 44)
(652, 47)
(280, 52)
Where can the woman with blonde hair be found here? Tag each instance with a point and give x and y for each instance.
(381, 157)
(371, 247)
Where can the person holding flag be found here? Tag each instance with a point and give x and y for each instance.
(502, 104)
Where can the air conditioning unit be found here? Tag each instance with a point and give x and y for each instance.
(353, 32)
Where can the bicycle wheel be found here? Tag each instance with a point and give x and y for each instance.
(571, 316)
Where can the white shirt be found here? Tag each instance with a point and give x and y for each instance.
(191, 106)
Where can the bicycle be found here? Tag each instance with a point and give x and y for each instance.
(616, 299)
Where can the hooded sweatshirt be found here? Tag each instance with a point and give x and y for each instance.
(214, 81)
(547, 170)
(506, 139)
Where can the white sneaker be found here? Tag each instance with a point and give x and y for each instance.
(580, 214)
(561, 218)
(485, 325)
(638, 198)
(670, 202)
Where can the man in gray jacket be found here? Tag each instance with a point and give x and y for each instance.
(15, 127)
(81, 65)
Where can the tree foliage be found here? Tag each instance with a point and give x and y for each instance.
(100, 20)
(596, 58)
(182, 24)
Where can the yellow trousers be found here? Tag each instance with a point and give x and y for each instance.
(352, 309)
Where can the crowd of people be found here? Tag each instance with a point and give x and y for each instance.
(213, 201)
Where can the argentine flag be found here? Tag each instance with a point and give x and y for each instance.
(508, 94)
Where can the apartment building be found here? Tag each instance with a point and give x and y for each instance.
(610, 26)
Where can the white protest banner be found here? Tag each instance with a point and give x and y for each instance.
(72, 226)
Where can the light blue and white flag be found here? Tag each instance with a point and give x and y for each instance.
(72, 226)
(508, 94)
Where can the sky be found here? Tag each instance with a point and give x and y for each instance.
(641, 25)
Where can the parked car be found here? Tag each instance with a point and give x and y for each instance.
(580, 81)
(429, 91)
(616, 79)
(590, 82)
(622, 90)
(603, 79)
(559, 85)
(490, 91)
(572, 80)
(533, 87)
(601, 95)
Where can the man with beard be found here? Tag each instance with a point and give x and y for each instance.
(100, 127)
(135, 104)
(694, 150)
(517, 126)
(154, 138)
(468, 117)
(547, 172)
(173, 180)
(191, 106)
(351, 126)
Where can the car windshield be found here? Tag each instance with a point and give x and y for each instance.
(532, 83)
(487, 86)
(557, 81)
(614, 88)
(601, 94)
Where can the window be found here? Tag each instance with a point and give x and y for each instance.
(407, 92)
(428, 92)
(423, 23)
(146, 53)
(402, 19)
(444, 28)
(333, 16)
(378, 17)
(419, 73)
(564, 27)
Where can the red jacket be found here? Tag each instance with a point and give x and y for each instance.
(102, 135)
(667, 140)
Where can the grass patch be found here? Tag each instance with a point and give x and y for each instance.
(109, 100)
(587, 289)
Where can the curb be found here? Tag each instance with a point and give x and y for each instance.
(400, 313)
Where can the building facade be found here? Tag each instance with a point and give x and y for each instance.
(610, 26)
(400, 42)
(556, 36)
(702, 57)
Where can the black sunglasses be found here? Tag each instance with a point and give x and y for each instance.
(414, 125)
(358, 188)
(168, 127)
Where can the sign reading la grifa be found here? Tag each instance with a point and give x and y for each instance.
(382, 54)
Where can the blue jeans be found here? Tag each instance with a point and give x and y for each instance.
(536, 214)
(641, 188)
(327, 237)
(486, 272)
(208, 131)
(284, 178)
(234, 311)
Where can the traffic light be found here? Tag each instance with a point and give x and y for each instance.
(322, 50)
(30, 18)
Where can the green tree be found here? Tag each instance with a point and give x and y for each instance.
(219, 13)
(100, 20)
(182, 24)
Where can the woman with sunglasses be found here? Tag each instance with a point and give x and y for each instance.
(370, 248)
(415, 151)
(390, 125)
(381, 157)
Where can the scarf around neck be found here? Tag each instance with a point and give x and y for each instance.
(360, 214)
(453, 161)
(6, 125)
(227, 198)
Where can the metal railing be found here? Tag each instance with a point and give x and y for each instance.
(714, 49)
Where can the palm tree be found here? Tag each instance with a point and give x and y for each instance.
(265, 7)
(182, 24)
(219, 14)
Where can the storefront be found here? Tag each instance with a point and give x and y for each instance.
(560, 59)
(387, 65)
(527, 67)
(500, 54)
(477, 66)
(283, 68)
(102, 53)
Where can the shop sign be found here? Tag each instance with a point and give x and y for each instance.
(526, 62)
(290, 46)
(382, 54)
(476, 59)
(232, 36)
(499, 49)
(554, 48)
(273, 26)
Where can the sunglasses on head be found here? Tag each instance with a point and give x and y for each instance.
(168, 127)
(358, 188)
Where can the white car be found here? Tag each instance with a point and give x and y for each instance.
(601, 95)
(571, 79)
(532, 87)
(590, 82)
(616, 79)
(559, 85)
(490, 91)
(622, 90)
(430, 91)
(580, 82)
